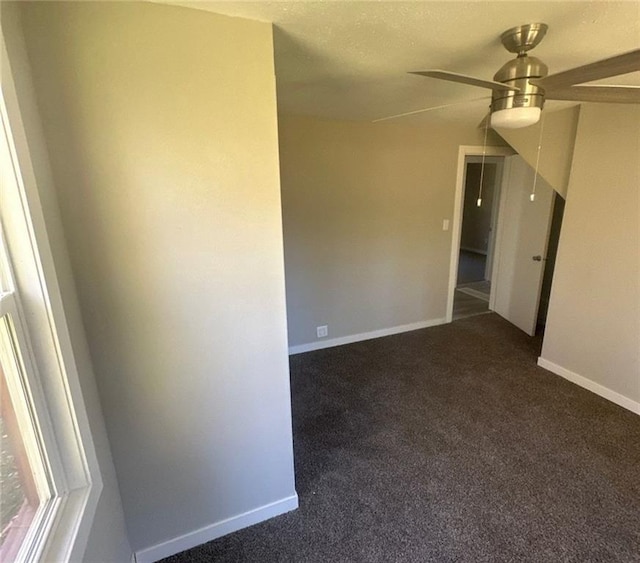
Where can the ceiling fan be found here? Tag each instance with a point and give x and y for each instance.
(521, 86)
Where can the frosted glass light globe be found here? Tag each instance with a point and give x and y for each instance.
(514, 118)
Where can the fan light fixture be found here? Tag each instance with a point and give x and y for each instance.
(514, 118)
(521, 86)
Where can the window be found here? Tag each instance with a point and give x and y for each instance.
(49, 475)
(25, 482)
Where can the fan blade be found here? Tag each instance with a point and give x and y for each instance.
(610, 94)
(613, 66)
(432, 108)
(463, 79)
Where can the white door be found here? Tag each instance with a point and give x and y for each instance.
(521, 245)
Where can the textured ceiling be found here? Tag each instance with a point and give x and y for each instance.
(349, 60)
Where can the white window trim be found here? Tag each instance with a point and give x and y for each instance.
(33, 420)
(44, 319)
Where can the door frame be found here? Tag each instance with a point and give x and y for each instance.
(456, 227)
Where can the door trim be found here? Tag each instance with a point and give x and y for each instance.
(456, 227)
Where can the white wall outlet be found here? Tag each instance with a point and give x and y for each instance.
(445, 224)
(322, 331)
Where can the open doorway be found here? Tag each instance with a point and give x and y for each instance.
(467, 155)
(503, 256)
(477, 241)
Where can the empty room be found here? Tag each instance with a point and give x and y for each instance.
(320, 281)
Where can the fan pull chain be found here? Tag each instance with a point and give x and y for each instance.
(484, 152)
(532, 197)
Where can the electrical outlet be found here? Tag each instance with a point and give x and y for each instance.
(322, 331)
(445, 224)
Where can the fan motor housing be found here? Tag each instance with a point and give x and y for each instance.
(517, 73)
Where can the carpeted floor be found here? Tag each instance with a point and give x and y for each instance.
(449, 444)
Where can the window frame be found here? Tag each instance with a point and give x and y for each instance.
(39, 320)
(21, 392)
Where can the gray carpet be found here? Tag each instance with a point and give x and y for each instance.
(449, 444)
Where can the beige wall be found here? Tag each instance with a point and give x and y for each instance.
(162, 132)
(363, 206)
(593, 325)
(558, 137)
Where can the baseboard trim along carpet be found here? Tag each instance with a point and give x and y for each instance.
(590, 385)
(330, 343)
(216, 530)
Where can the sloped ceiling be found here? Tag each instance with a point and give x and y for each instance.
(349, 60)
(558, 140)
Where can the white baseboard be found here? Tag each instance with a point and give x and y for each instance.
(299, 349)
(216, 530)
(590, 385)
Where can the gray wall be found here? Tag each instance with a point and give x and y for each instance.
(162, 131)
(593, 323)
(363, 206)
(107, 539)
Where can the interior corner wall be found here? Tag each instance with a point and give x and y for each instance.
(558, 137)
(161, 127)
(107, 539)
(593, 323)
(363, 211)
